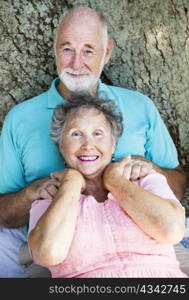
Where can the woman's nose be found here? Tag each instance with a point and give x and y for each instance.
(88, 143)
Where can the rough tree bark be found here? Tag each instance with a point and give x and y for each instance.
(151, 53)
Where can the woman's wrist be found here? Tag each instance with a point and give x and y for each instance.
(70, 186)
(111, 178)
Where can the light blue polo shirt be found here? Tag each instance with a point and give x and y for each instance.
(27, 152)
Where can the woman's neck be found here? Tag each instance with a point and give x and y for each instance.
(95, 188)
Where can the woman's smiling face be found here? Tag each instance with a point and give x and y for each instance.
(87, 143)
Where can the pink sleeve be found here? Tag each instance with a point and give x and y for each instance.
(37, 210)
(156, 183)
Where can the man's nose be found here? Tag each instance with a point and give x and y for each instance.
(77, 61)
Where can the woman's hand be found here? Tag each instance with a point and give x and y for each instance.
(69, 175)
(127, 167)
(117, 169)
(137, 167)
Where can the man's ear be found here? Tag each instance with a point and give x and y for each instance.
(109, 50)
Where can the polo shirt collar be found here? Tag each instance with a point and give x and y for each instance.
(103, 91)
(54, 98)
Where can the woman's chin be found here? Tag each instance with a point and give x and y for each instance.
(91, 175)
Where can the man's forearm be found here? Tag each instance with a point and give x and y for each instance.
(14, 209)
(176, 179)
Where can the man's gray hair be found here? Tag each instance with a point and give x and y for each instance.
(80, 102)
(82, 10)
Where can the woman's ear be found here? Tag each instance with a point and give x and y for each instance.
(61, 150)
(113, 145)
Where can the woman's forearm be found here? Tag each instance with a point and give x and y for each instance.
(50, 240)
(162, 219)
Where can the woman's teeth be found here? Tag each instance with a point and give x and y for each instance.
(88, 158)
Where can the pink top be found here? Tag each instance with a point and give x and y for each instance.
(108, 243)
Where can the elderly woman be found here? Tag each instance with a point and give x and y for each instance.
(100, 223)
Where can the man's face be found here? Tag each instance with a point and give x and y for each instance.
(81, 52)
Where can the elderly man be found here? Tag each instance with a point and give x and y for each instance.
(27, 154)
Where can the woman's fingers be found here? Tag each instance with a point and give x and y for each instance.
(127, 171)
(134, 168)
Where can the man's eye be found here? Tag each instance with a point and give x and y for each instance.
(67, 49)
(88, 52)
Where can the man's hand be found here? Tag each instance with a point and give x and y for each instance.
(45, 188)
(14, 207)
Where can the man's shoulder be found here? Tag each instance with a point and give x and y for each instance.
(39, 102)
(34, 101)
(125, 94)
(29, 105)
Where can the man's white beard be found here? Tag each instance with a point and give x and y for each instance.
(86, 83)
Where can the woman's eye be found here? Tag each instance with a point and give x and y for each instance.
(98, 133)
(76, 133)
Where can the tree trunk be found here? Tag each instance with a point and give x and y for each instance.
(151, 53)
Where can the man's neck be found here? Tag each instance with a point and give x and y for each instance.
(66, 94)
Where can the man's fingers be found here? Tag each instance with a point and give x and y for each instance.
(48, 192)
(53, 181)
(52, 190)
(58, 175)
(45, 195)
(49, 189)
